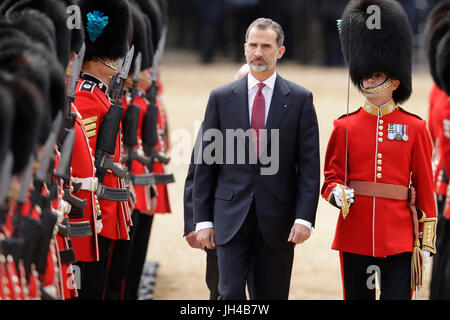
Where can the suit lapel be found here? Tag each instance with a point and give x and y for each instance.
(278, 107)
(239, 103)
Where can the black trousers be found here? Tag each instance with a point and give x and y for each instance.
(93, 274)
(138, 255)
(440, 275)
(212, 274)
(247, 252)
(120, 257)
(393, 272)
(127, 260)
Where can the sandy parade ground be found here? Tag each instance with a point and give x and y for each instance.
(316, 272)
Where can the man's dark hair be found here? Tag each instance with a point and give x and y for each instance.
(265, 23)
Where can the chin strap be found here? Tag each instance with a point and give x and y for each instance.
(386, 84)
(107, 62)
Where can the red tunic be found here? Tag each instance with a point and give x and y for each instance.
(83, 165)
(142, 193)
(163, 203)
(438, 101)
(93, 104)
(379, 226)
(445, 146)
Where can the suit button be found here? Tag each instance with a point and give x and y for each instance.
(379, 175)
(381, 121)
(379, 156)
(379, 162)
(380, 128)
(380, 133)
(380, 139)
(379, 168)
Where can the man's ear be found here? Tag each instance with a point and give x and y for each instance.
(281, 51)
(396, 83)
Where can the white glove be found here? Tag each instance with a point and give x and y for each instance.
(426, 256)
(337, 193)
(99, 225)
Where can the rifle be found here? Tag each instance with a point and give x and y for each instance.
(5, 182)
(69, 122)
(131, 120)
(63, 171)
(12, 246)
(26, 229)
(48, 217)
(107, 135)
(64, 227)
(70, 117)
(149, 128)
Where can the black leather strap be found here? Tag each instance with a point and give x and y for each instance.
(80, 229)
(112, 194)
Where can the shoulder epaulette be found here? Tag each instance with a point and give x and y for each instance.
(344, 115)
(412, 114)
(87, 85)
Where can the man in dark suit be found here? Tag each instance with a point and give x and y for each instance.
(212, 269)
(256, 206)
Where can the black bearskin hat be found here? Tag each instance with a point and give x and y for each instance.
(141, 37)
(385, 48)
(27, 119)
(36, 25)
(56, 11)
(443, 62)
(438, 23)
(151, 9)
(6, 120)
(107, 28)
(77, 34)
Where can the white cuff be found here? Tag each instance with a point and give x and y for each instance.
(203, 225)
(305, 223)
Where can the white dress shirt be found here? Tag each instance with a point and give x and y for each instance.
(267, 91)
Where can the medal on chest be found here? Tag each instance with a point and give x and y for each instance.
(398, 132)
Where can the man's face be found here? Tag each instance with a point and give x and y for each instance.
(261, 50)
(374, 81)
(377, 79)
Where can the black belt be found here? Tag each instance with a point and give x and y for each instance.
(164, 178)
(112, 194)
(67, 256)
(80, 229)
(142, 179)
(76, 213)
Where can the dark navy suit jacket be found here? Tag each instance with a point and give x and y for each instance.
(224, 193)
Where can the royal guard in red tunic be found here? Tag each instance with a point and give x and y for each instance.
(374, 156)
(438, 23)
(93, 104)
(107, 25)
(436, 26)
(83, 176)
(129, 256)
(440, 284)
(437, 101)
(163, 203)
(155, 11)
